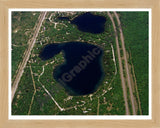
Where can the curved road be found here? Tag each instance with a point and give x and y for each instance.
(120, 67)
(126, 65)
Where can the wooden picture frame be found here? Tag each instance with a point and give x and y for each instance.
(5, 122)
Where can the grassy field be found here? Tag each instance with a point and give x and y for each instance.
(135, 29)
(22, 28)
(109, 96)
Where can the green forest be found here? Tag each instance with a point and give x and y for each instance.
(135, 27)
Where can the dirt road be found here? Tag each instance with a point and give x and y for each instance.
(31, 43)
(120, 68)
(126, 65)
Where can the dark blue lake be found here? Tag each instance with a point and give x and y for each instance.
(82, 71)
(87, 22)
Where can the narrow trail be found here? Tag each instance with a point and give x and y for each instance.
(135, 81)
(120, 67)
(53, 99)
(31, 43)
(114, 60)
(34, 86)
(60, 108)
(126, 66)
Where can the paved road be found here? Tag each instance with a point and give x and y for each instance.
(126, 65)
(27, 54)
(121, 68)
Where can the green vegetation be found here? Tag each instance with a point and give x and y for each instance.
(22, 28)
(24, 94)
(135, 30)
(109, 95)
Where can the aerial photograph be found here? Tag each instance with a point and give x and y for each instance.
(79, 62)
